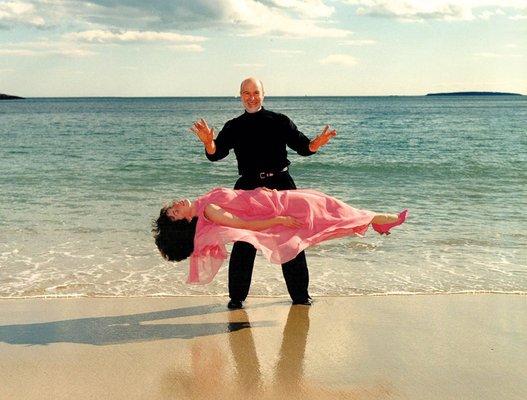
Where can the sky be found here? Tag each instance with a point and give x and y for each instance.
(69, 48)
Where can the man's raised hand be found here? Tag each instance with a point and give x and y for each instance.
(322, 139)
(202, 131)
(205, 134)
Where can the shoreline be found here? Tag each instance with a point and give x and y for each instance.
(360, 347)
(281, 296)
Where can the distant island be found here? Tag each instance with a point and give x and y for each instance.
(474, 94)
(9, 97)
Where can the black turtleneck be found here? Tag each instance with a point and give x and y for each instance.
(259, 141)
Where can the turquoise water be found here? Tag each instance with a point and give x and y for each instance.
(82, 179)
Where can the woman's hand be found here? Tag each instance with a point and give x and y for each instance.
(288, 221)
(222, 217)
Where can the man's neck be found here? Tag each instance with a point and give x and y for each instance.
(254, 112)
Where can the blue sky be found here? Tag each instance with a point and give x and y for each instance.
(314, 47)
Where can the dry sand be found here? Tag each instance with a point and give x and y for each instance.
(393, 347)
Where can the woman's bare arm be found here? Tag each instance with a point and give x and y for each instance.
(222, 217)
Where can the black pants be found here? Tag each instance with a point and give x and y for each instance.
(242, 257)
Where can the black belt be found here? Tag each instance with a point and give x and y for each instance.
(265, 174)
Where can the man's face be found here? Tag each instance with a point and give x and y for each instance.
(252, 96)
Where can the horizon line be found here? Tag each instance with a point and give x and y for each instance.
(270, 96)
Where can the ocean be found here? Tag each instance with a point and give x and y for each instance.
(82, 178)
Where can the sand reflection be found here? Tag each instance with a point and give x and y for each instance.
(214, 374)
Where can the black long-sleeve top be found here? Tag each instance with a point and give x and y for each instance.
(260, 142)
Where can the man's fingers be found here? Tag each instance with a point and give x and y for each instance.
(200, 126)
(330, 134)
(200, 122)
(203, 123)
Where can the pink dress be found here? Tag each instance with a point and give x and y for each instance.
(323, 217)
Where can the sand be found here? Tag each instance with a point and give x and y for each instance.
(387, 347)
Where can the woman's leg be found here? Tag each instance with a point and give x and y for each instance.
(382, 223)
(384, 218)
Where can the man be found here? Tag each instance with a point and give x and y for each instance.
(260, 139)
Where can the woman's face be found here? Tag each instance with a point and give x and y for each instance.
(180, 209)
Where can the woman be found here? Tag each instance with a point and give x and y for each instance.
(279, 223)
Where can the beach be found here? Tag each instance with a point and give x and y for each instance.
(465, 346)
(112, 110)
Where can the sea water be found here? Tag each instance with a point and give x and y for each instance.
(82, 178)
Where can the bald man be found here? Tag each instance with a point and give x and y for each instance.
(260, 138)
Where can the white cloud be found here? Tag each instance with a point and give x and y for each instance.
(17, 12)
(287, 52)
(105, 36)
(257, 18)
(44, 48)
(496, 55)
(416, 10)
(487, 14)
(249, 65)
(307, 8)
(17, 52)
(339, 59)
(293, 18)
(193, 48)
(359, 42)
(518, 17)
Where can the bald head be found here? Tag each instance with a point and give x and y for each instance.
(253, 81)
(252, 94)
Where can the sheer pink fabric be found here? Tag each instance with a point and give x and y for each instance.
(324, 218)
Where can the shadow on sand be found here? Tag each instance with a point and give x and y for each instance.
(100, 331)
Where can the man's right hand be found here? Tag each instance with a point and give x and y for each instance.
(205, 134)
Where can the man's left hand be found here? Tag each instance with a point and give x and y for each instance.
(322, 139)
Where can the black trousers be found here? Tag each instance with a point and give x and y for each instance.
(241, 263)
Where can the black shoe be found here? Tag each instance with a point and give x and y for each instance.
(234, 305)
(303, 302)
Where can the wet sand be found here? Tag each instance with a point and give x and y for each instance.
(393, 347)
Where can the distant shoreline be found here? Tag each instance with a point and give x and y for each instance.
(9, 97)
(474, 94)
